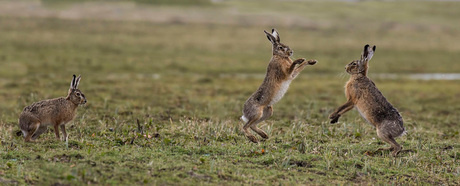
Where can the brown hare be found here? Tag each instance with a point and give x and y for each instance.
(281, 71)
(35, 119)
(363, 95)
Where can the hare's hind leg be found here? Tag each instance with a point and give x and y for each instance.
(32, 129)
(247, 133)
(388, 137)
(29, 126)
(268, 111)
(41, 129)
(30, 133)
(252, 118)
(396, 147)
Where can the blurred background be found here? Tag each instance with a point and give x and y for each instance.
(146, 53)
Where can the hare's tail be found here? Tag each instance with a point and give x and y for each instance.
(244, 119)
(404, 132)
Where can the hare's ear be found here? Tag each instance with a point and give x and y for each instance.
(72, 83)
(368, 53)
(276, 35)
(77, 81)
(270, 37)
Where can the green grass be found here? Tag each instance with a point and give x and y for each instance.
(186, 84)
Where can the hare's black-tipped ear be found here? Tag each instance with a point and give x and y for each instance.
(368, 53)
(72, 83)
(77, 81)
(276, 35)
(365, 51)
(270, 37)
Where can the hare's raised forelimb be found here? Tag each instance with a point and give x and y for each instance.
(294, 65)
(300, 67)
(340, 111)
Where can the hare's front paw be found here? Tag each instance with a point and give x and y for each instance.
(334, 117)
(299, 61)
(312, 61)
(335, 120)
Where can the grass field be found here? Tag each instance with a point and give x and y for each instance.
(164, 95)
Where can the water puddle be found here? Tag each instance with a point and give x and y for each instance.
(420, 76)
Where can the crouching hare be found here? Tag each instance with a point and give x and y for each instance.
(281, 71)
(363, 95)
(35, 119)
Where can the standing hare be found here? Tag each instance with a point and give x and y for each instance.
(36, 118)
(362, 93)
(280, 72)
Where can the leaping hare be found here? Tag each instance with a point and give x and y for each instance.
(35, 119)
(281, 71)
(363, 95)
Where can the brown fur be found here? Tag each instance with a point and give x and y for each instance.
(35, 119)
(281, 71)
(362, 93)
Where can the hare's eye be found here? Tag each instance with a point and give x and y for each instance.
(78, 94)
(280, 47)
